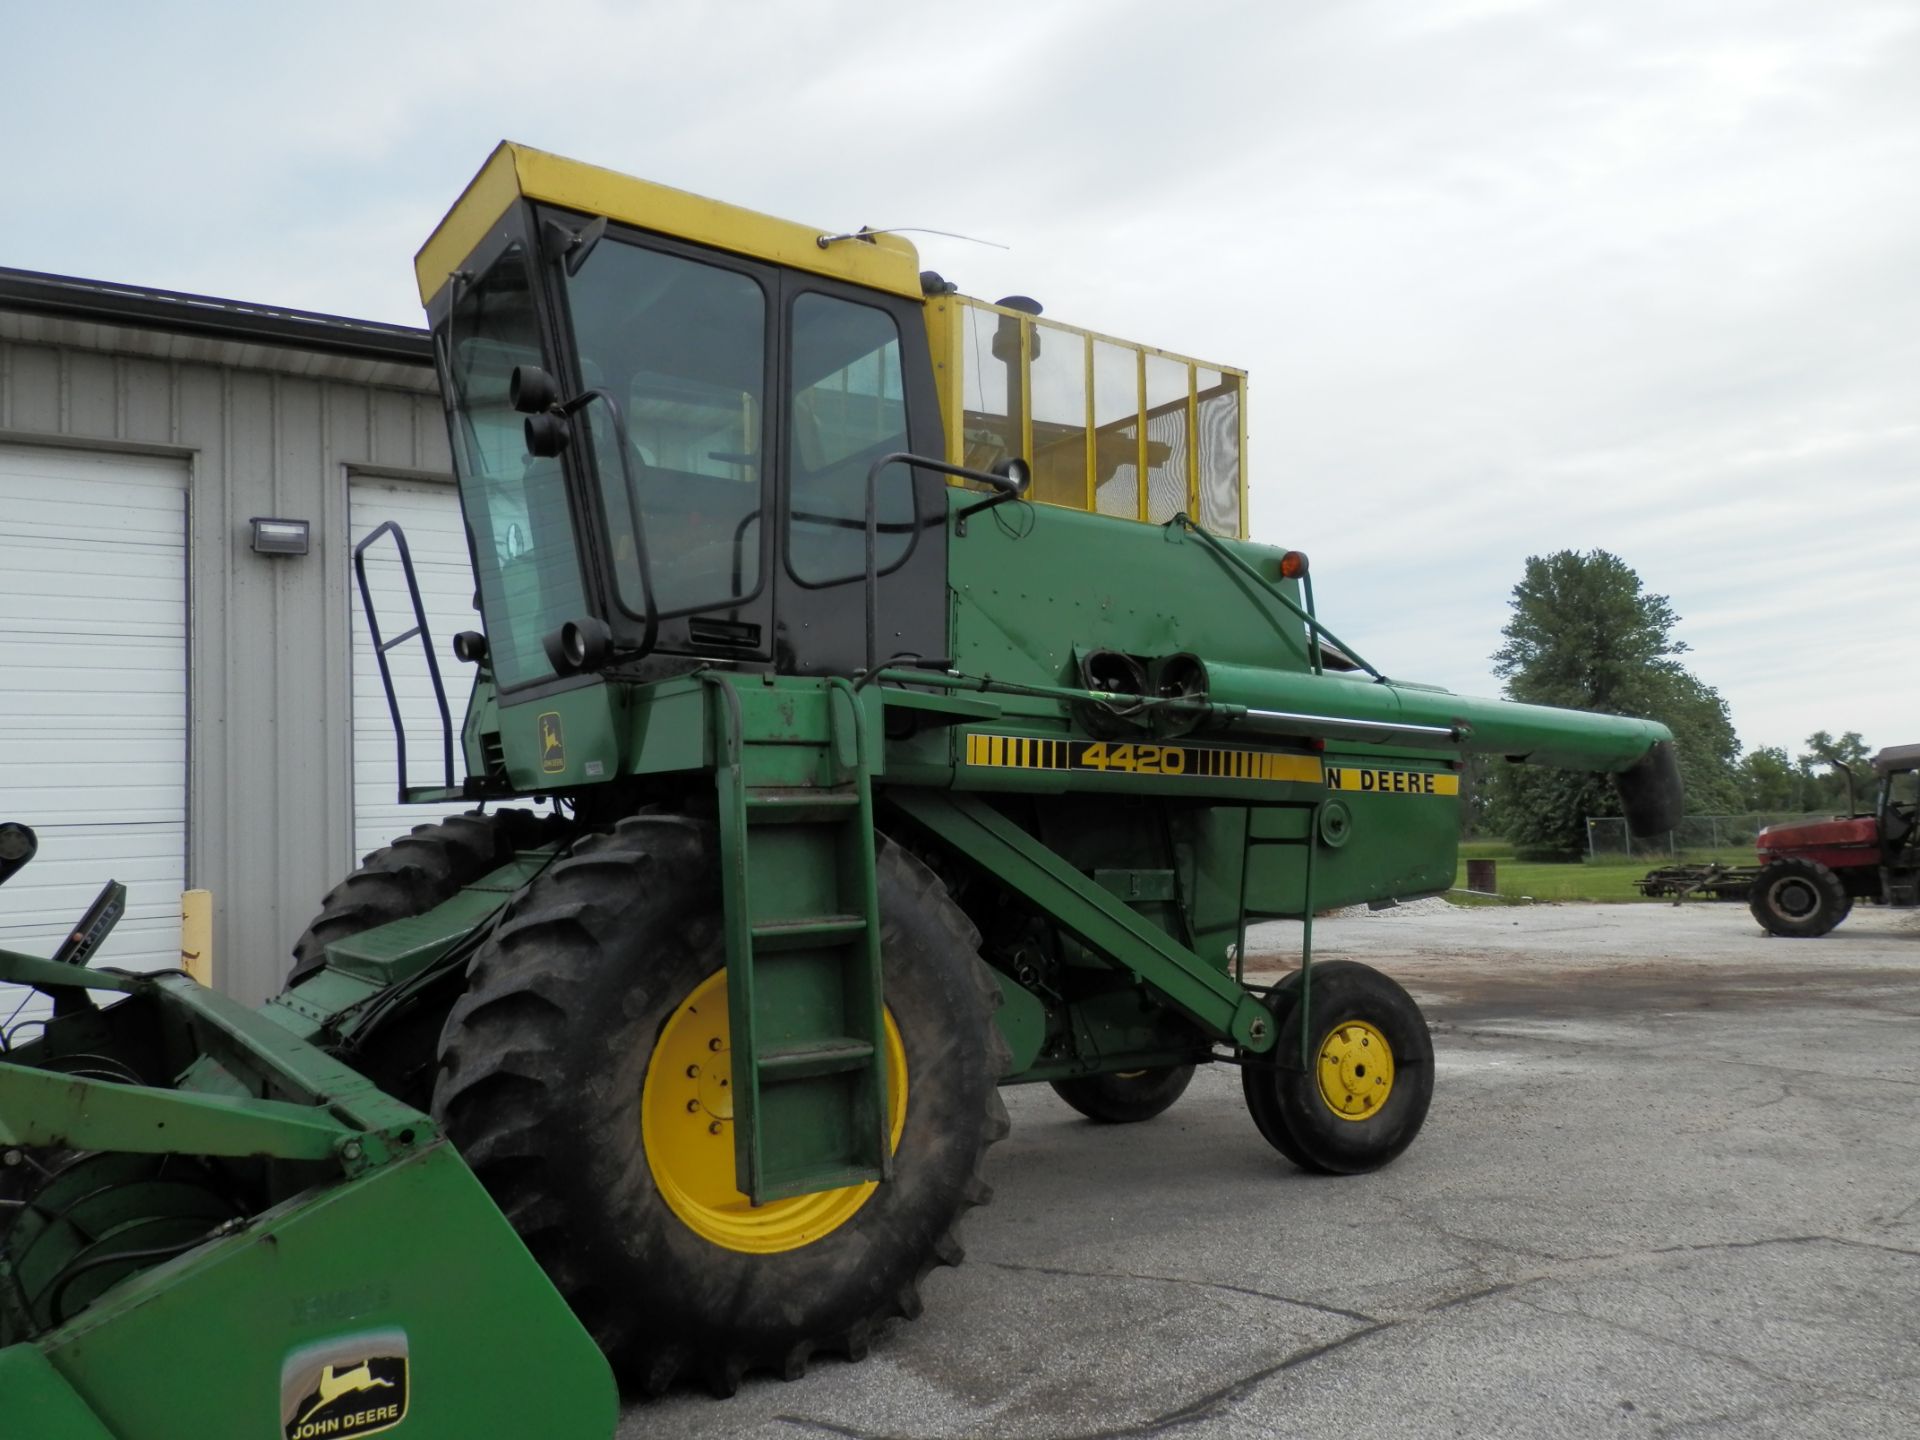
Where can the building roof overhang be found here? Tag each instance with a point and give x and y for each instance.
(41, 308)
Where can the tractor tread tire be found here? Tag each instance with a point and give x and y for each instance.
(542, 1064)
(1125, 1099)
(418, 871)
(1831, 902)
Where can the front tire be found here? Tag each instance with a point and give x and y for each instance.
(415, 873)
(1798, 898)
(545, 1079)
(1369, 1081)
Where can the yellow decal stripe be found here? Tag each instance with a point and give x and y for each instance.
(1030, 752)
(1392, 782)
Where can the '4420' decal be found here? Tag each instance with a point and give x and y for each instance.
(1109, 757)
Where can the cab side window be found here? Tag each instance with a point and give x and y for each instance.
(848, 408)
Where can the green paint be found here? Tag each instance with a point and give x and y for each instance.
(147, 1294)
(802, 926)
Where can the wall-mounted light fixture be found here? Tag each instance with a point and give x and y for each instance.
(278, 537)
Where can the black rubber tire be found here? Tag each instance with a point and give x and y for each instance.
(1257, 1086)
(1286, 1101)
(542, 1064)
(1798, 898)
(418, 871)
(1125, 1099)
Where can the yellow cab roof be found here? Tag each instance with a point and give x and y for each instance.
(517, 172)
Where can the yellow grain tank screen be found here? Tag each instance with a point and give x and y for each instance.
(1108, 425)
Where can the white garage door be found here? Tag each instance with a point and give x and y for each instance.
(429, 514)
(93, 697)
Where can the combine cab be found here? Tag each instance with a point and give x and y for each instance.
(916, 719)
(1811, 872)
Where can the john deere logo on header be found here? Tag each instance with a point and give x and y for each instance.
(345, 1388)
(553, 745)
(1392, 782)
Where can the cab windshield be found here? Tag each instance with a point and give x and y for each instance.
(525, 557)
(681, 346)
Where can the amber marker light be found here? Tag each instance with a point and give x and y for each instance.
(1293, 565)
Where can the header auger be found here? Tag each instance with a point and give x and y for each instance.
(918, 720)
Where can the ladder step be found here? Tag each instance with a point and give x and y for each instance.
(813, 931)
(820, 1057)
(769, 805)
(826, 1177)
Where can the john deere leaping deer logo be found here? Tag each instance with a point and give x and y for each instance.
(553, 746)
(346, 1388)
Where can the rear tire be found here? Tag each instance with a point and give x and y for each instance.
(543, 1065)
(1798, 898)
(1125, 1099)
(1371, 1082)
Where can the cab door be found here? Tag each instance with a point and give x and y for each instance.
(857, 384)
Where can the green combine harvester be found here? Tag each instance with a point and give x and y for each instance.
(913, 718)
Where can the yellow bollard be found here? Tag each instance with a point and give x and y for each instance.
(196, 935)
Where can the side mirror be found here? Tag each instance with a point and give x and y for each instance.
(531, 390)
(579, 646)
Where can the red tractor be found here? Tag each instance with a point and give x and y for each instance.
(1811, 872)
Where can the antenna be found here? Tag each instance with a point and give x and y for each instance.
(867, 232)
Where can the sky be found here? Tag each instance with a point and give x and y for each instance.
(1508, 277)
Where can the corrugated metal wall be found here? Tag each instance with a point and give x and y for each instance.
(270, 816)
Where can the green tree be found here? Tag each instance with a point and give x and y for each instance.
(1768, 781)
(1586, 634)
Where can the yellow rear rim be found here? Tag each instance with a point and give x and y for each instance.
(1355, 1070)
(686, 1125)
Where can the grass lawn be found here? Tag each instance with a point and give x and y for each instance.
(1607, 880)
(1535, 881)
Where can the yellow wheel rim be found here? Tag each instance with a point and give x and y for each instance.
(1355, 1070)
(686, 1125)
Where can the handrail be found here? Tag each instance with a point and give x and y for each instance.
(380, 649)
(1009, 490)
(1318, 630)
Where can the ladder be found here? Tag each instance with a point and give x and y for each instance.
(811, 1106)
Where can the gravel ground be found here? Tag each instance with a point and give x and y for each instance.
(1670, 1185)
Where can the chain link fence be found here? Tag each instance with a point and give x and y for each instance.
(1703, 837)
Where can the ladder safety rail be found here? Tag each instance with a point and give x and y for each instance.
(381, 647)
(1315, 628)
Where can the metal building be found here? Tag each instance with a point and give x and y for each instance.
(180, 707)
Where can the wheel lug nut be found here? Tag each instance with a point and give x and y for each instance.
(693, 1107)
(714, 1128)
(693, 1072)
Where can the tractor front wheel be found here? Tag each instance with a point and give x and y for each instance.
(415, 873)
(584, 1078)
(1798, 898)
(1125, 1097)
(1368, 1080)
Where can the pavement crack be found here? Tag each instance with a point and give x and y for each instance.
(1354, 1315)
(1210, 1405)
(1845, 1240)
(827, 1427)
(1883, 1221)
(1664, 1341)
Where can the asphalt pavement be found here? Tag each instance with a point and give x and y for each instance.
(1670, 1185)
